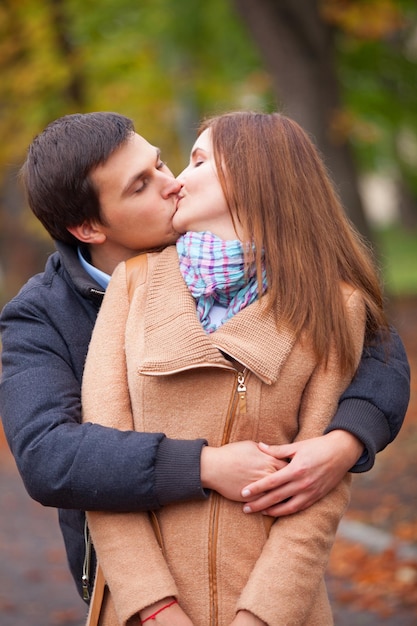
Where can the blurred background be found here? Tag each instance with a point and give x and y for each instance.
(346, 70)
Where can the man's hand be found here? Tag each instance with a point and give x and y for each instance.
(231, 467)
(316, 467)
(244, 618)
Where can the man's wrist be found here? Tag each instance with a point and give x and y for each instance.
(206, 467)
(347, 442)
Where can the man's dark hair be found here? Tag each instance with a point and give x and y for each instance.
(56, 173)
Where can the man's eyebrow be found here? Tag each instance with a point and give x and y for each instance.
(133, 179)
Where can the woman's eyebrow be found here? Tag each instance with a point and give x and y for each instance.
(197, 149)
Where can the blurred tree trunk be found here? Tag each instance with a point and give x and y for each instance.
(75, 90)
(406, 206)
(297, 47)
(406, 190)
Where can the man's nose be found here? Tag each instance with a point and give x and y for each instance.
(170, 185)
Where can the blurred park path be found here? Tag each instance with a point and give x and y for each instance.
(372, 576)
(36, 588)
(373, 567)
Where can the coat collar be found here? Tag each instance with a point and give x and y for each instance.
(174, 339)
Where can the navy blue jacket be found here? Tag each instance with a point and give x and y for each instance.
(75, 467)
(46, 330)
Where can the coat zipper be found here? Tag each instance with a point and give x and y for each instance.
(241, 390)
(237, 400)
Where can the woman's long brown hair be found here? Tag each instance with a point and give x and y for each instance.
(277, 186)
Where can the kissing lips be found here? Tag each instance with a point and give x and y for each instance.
(179, 198)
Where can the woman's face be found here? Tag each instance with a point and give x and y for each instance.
(201, 204)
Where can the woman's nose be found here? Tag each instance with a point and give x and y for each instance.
(182, 175)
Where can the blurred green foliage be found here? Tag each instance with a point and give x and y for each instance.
(398, 258)
(377, 65)
(164, 63)
(168, 63)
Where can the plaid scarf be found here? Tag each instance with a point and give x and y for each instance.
(214, 271)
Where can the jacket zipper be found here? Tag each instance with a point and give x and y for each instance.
(85, 579)
(237, 400)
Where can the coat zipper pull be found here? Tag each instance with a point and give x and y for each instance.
(241, 390)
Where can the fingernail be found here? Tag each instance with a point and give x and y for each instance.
(245, 493)
(247, 509)
(264, 445)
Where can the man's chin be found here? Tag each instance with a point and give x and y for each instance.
(175, 236)
(169, 241)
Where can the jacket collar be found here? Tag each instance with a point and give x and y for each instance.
(174, 339)
(81, 280)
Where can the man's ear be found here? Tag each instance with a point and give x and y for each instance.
(88, 232)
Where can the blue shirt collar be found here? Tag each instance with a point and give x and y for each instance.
(100, 277)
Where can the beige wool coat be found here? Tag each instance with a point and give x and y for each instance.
(151, 367)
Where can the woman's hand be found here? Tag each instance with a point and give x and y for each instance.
(244, 618)
(316, 467)
(169, 615)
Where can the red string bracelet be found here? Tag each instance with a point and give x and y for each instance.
(159, 611)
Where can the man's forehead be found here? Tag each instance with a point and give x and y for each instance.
(132, 158)
(140, 148)
(142, 142)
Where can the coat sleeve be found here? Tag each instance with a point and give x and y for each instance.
(286, 580)
(374, 405)
(126, 546)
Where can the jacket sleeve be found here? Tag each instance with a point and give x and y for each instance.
(374, 405)
(126, 545)
(288, 576)
(63, 463)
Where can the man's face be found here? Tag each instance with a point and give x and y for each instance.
(137, 194)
